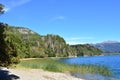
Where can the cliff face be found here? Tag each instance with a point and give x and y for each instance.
(27, 43)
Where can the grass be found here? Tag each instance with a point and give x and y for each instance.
(55, 66)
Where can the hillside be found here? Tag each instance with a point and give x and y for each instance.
(86, 50)
(31, 44)
(27, 43)
(108, 46)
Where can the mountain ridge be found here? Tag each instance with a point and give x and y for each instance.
(107, 41)
(108, 46)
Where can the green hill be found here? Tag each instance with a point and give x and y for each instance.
(20, 42)
(86, 50)
(31, 44)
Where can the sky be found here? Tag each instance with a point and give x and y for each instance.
(77, 21)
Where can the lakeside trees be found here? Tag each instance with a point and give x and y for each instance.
(20, 42)
(8, 47)
(86, 50)
(8, 44)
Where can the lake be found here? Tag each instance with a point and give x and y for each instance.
(111, 61)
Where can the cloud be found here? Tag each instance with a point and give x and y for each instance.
(78, 40)
(6, 9)
(9, 4)
(59, 18)
(74, 43)
(56, 19)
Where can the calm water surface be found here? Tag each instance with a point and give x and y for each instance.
(112, 61)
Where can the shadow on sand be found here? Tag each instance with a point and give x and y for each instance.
(4, 75)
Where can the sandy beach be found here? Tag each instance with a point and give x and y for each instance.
(38, 74)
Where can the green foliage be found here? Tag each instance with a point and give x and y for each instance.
(52, 67)
(55, 66)
(8, 47)
(26, 43)
(20, 42)
(86, 50)
(55, 46)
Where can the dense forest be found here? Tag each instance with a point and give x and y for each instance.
(20, 42)
(86, 50)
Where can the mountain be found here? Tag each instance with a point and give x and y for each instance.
(26, 43)
(108, 46)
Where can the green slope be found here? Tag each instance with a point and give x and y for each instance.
(28, 43)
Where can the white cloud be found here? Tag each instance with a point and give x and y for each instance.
(81, 42)
(72, 43)
(78, 40)
(9, 4)
(56, 19)
(6, 9)
(59, 18)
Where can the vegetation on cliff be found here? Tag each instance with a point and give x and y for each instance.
(86, 50)
(9, 46)
(20, 42)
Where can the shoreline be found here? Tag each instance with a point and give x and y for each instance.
(38, 74)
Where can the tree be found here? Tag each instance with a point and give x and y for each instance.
(8, 47)
(8, 44)
(2, 8)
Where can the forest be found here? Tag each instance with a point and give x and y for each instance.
(20, 42)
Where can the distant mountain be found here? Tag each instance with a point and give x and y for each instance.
(108, 46)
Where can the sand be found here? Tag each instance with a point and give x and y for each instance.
(38, 74)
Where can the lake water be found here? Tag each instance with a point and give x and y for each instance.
(111, 61)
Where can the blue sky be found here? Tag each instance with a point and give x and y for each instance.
(77, 21)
